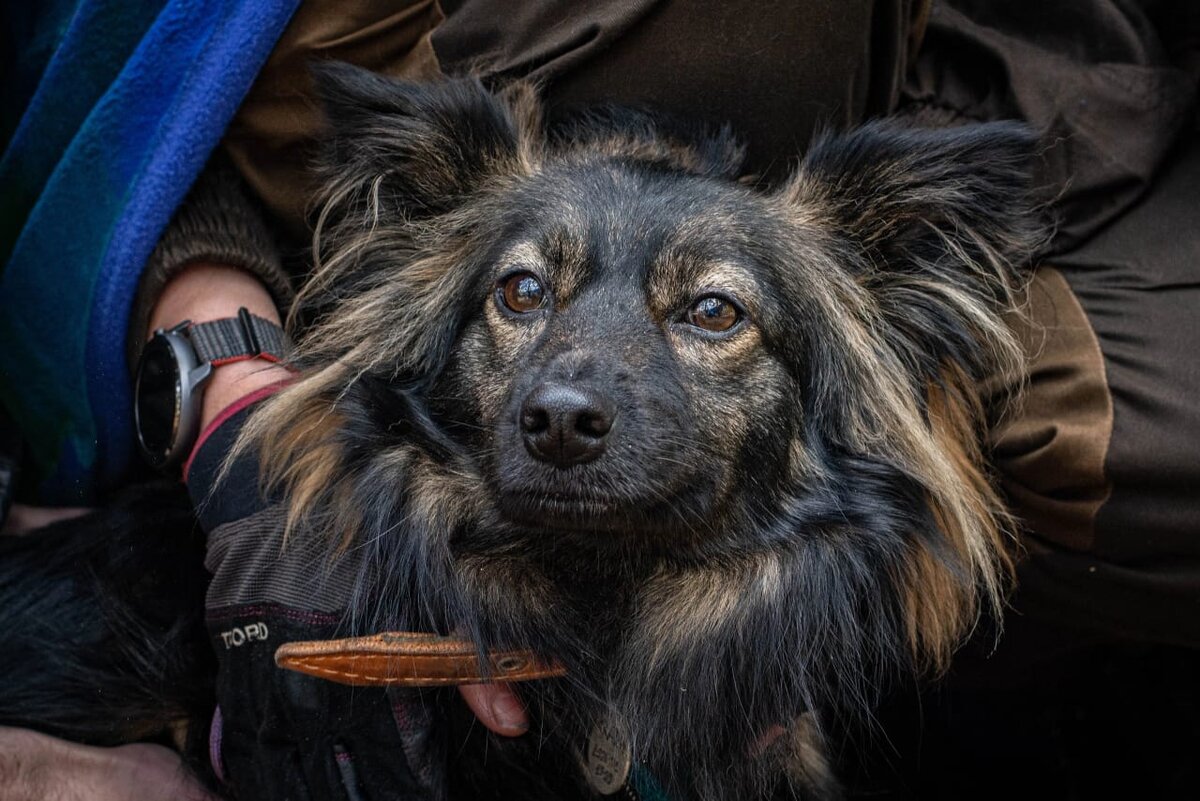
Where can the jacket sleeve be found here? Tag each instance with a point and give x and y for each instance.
(218, 222)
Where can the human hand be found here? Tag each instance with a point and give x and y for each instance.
(261, 598)
(264, 594)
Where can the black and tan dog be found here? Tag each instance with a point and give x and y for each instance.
(715, 449)
(576, 387)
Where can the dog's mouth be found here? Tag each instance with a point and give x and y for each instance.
(567, 511)
(557, 511)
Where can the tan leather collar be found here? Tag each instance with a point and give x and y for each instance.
(409, 659)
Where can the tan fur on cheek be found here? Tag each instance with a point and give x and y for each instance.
(487, 378)
(511, 340)
(512, 335)
(726, 355)
(751, 382)
(444, 499)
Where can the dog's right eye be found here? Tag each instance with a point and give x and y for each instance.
(520, 293)
(714, 314)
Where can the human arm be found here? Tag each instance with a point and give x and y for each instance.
(213, 283)
(206, 291)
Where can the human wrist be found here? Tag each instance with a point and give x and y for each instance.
(219, 223)
(202, 292)
(205, 291)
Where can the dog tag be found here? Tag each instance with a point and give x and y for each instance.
(608, 759)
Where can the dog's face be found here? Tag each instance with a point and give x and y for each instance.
(617, 375)
(579, 390)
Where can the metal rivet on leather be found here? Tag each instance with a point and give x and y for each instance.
(510, 664)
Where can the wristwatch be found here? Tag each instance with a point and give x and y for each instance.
(172, 371)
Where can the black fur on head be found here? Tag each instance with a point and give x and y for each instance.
(717, 450)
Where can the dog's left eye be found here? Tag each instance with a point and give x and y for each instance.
(713, 313)
(520, 292)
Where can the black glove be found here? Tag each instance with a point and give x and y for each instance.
(280, 734)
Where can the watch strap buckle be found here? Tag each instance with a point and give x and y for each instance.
(246, 319)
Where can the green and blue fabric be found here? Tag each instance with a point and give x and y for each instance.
(111, 109)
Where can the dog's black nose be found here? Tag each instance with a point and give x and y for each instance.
(566, 425)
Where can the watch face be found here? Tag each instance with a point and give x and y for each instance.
(158, 400)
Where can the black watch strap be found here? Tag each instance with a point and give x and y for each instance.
(232, 339)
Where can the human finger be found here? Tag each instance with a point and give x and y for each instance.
(497, 707)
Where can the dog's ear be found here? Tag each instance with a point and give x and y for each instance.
(942, 223)
(423, 146)
(932, 233)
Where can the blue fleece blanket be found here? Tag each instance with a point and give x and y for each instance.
(116, 106)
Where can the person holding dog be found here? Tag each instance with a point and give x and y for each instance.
(198, 286)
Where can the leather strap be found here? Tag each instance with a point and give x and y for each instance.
(232, 339)
(409, 659)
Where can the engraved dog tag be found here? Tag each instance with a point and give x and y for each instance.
(608, 758)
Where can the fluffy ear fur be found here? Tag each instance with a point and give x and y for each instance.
(402, 162)
(424, 146)
(941, 232)
(942, 220)
(405, 152)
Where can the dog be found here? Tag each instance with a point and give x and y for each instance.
(580, 387)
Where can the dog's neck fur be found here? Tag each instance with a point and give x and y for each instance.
(651, 640)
